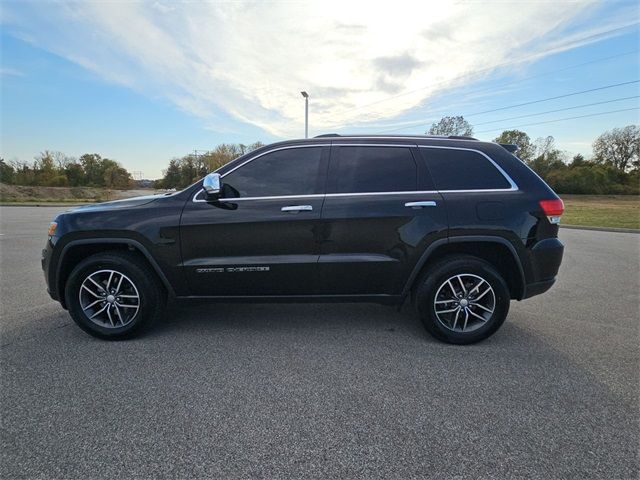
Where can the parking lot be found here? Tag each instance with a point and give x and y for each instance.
(347, 390)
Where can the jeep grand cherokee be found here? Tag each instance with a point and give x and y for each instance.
(459, 226)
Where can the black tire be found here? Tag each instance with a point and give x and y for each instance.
(437, 276)
(152, 297)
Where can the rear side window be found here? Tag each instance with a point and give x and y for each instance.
(292, 171)
(373, 169)
(462, 170)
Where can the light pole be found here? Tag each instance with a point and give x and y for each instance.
(306, 114)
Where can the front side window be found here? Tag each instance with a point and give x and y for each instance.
(373, 169)
(292, 171)
(463, 170)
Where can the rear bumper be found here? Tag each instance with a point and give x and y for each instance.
(546, 257)
(533, 289)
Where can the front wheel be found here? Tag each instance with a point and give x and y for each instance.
(462, 299)
(114, 295)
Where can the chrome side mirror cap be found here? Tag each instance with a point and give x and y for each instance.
(211, 184)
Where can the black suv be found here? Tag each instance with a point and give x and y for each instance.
(459, 226)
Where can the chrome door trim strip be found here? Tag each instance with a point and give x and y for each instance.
(275, 197)
(320, 195)
(368, 194)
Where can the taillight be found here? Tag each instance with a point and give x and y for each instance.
(553, 209)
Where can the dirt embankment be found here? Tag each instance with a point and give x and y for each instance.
(26, 194)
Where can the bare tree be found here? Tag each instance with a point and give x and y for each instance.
(544, 146)
(619, 147)
(546, 157)
(61, 160)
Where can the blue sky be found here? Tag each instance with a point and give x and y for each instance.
(147, 81)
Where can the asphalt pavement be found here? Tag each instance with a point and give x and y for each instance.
(324, 391)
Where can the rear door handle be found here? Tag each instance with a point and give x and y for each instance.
(428, 203)
(297, 208)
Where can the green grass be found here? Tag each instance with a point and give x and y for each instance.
(620, 211)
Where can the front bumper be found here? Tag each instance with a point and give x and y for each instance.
(45, 261)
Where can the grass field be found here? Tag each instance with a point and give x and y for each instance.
(27, 195)
(621, 211)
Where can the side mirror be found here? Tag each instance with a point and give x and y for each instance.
(211, 184)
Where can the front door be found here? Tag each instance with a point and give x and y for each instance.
(260, 237)
(380, 213)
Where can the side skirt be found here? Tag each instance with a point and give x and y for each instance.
(381, 299)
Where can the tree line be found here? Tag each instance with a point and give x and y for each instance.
(613, 167)
(55, 169)
(186, 170)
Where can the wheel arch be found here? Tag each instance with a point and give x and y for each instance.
(77, 250)
(496, 250)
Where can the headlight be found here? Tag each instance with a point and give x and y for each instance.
(52, 228)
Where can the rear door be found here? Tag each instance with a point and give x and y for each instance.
(380, 213)
(259, 238)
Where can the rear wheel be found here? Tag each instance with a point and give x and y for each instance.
(114, 295)
(462, 299)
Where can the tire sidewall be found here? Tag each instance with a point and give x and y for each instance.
(141, 281)
(442, 272)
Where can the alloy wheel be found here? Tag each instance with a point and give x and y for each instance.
(464, 302)
(109, 299)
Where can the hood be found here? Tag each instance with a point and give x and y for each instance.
(124, 203)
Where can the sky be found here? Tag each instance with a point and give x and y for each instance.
(143, 82)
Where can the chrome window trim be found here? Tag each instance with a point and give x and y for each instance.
(512, 188)
(321, 195)
(367, 194)
(276, 197)
(288, 147)
(274, 150)
(360, 194)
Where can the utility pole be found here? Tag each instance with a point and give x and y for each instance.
(306, 114)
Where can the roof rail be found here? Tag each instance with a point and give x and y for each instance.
(452, 137)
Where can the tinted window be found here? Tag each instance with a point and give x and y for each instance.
(373, 169)
(462, 170)
(293, 171)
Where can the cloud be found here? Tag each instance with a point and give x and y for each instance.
(250, 60)
(397, 65)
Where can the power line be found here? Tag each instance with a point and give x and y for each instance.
(558, 110)
(532, 102)
(561, 119)
(556, 97)
(494, 67)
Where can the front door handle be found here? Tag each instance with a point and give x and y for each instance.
(297, 208)
(428, 203)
